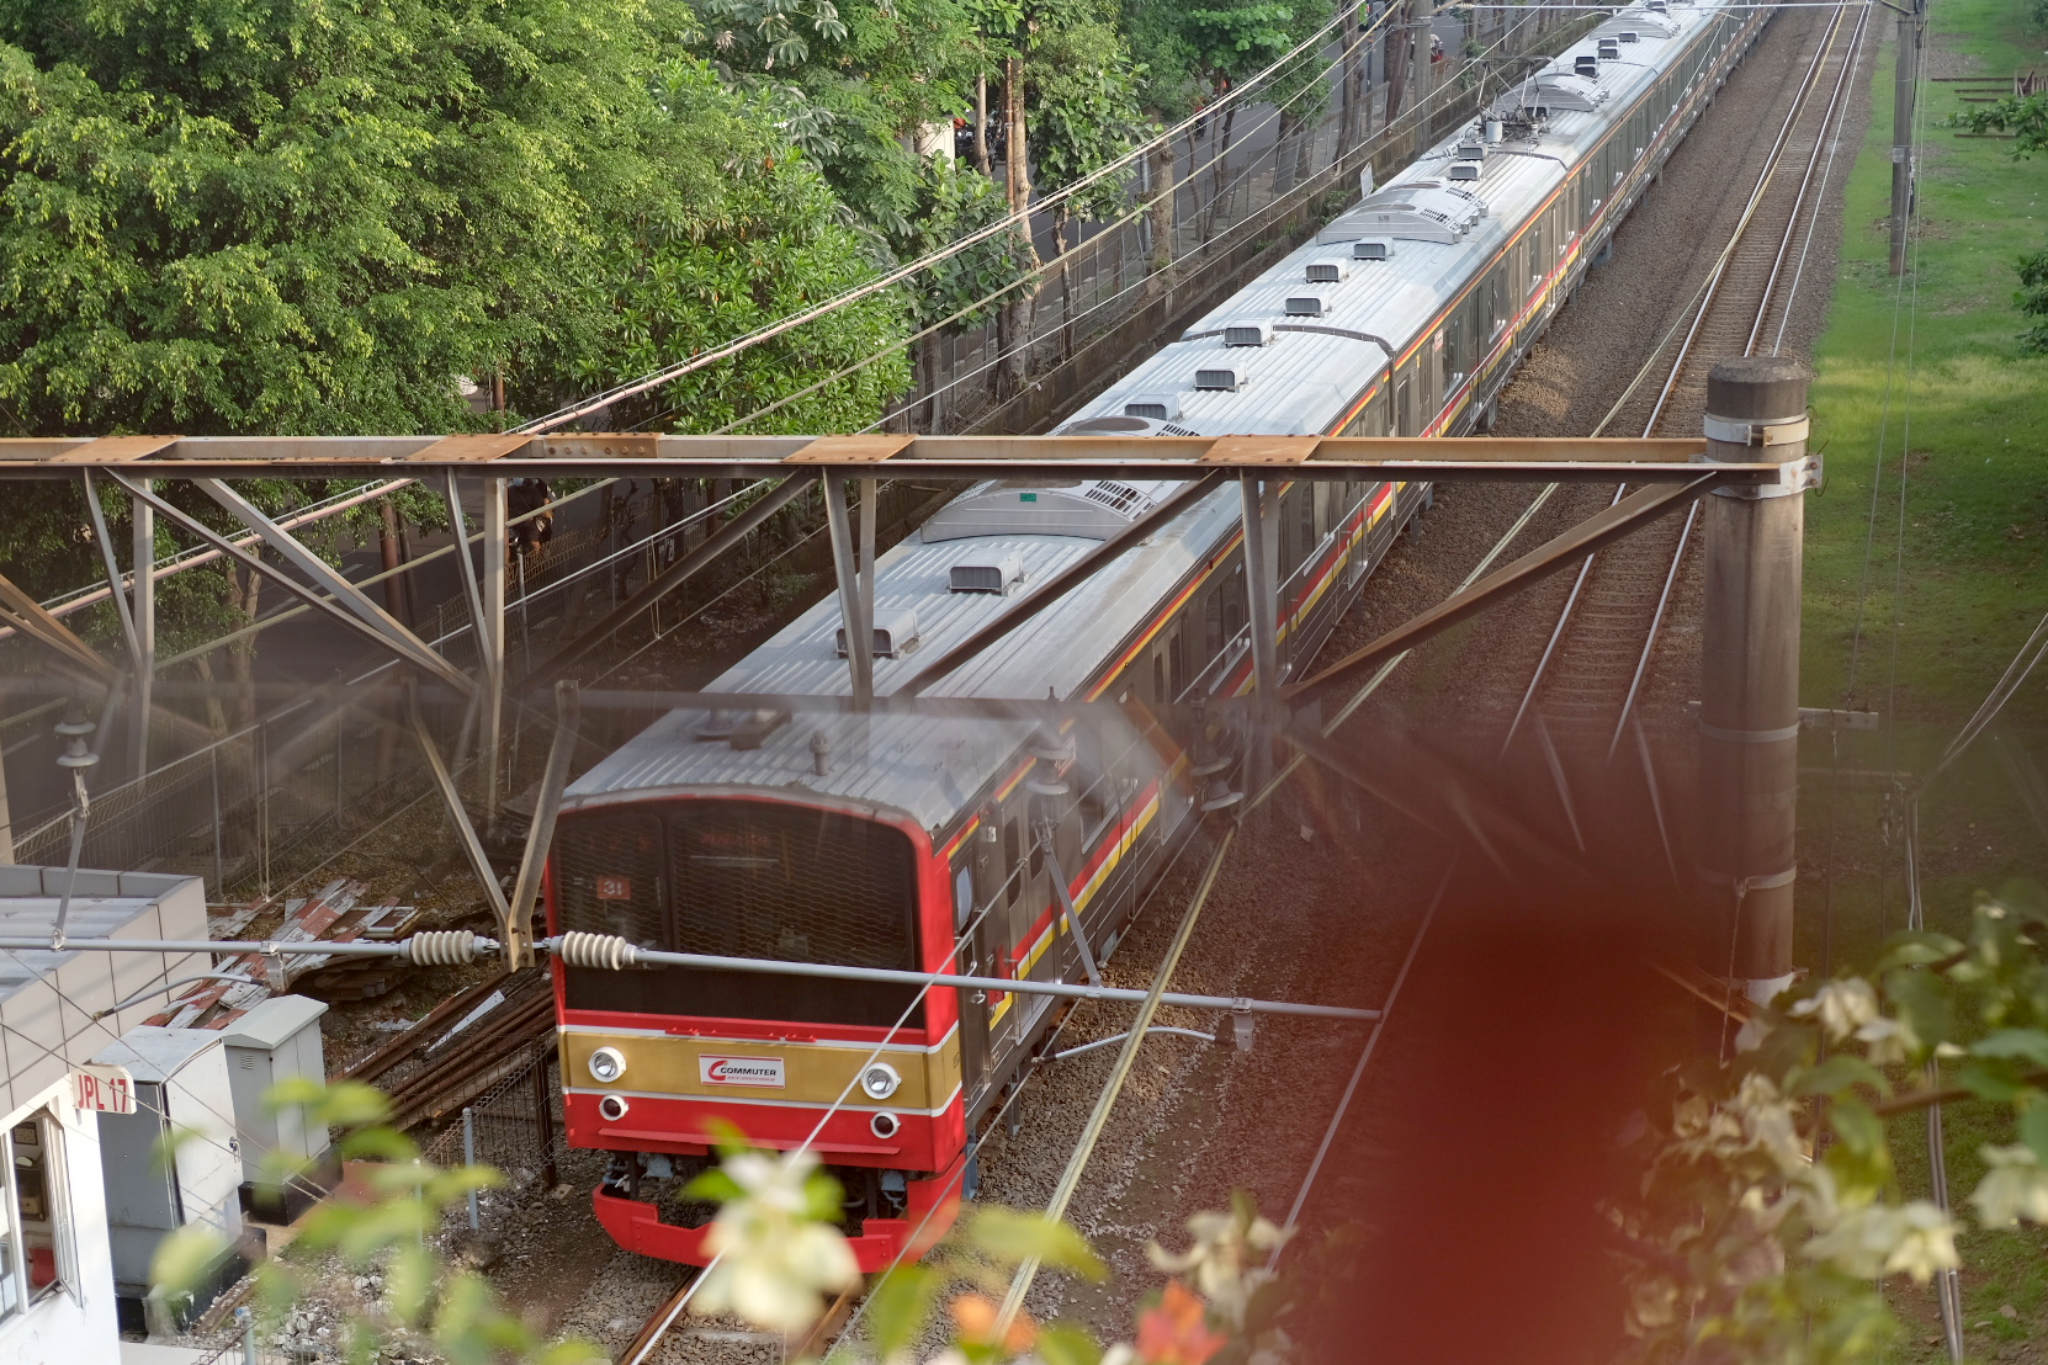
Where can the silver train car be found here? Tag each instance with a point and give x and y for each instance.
(996, 846)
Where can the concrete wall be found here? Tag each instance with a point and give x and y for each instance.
(75, 1325)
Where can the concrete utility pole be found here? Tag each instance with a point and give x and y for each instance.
(1749, 673)
(1905, 81)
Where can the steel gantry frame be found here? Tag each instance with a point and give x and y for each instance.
(846, 471)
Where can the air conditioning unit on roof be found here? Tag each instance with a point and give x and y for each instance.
(1327, 272)
(1372, 249)
(1609, 49)
(1160, 407)
(1217, 381)
(1465, 172)
(1305, 306)
(1586, 65)
(1248, 334)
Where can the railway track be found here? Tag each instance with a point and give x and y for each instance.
(1590, 678)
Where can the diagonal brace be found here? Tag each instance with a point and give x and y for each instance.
(518, 926)
(324, 575)
(1609, 525)
(26, 614)
(1072, 916)
(415, 653)
(458, 814)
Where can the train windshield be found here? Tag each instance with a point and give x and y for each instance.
(741, 879)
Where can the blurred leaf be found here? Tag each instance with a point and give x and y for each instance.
(824, 1197)
(1063, 1343)
(1013, 1237)
(899, 1307)
(378, 1143)
(2034, 1128)
(1991, 1080)
(713, 1185)
(2025, 1044)
(1916, 949)
(409, 1281)
(1856, 1125)
(1838, 1073)
(184, 1257)
(351, 1104)
(1922, 1001)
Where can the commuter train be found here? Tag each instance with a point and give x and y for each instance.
(942, 842)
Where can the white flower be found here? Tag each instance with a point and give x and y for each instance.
(1885, 1041)
(1751, 1035)
(1768, 1123)
(2014, 1188)
(1878, 1240)
(1843, 1006)
(1220, 1259)
(775, 1263)
(1926, 1242)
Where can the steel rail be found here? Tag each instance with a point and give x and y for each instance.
(1833, 112)
(1809, 82)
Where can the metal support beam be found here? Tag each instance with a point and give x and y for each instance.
(347, 595)
(675, 575)
(1346, 458)
(1261, 515)
(142, 561)
(458, 814)
(26, 614)
(1561, 552)
(860, 640)
(1052, 589)
(402, 644)
(517, 931)
(1071, 915)
(112, 564)
(491, 647)
(868, 492)
(1749, 675)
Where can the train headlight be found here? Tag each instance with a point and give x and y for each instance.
(607, 1064)
(880, 1081)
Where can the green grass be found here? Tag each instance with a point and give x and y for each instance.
(1934, 373)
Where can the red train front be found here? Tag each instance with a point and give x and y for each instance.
(656, 1062)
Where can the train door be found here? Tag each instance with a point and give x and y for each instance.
(1002, 927)
(971, 962)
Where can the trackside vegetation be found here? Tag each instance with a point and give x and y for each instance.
(1926, 568)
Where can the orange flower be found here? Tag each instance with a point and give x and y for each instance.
(1176, 1330)
(975, 1315)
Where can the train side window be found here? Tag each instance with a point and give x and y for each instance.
(1159, 692)
(1305, 538)
(1013, 856)
(1234, 605)
(1212, 621)
(963, 898)
(1404, 409)
(1536, 262)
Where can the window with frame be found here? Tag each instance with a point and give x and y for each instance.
(35, 1250)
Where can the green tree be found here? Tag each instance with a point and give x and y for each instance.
(260, 216)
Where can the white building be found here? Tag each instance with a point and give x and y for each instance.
(57, 1296)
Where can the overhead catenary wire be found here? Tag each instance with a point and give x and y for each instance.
(1013, 222)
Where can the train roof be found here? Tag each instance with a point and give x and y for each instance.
(1015, 534)
(1318, 337)
(1302, 340)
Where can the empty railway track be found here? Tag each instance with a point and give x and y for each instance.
(1590, 677)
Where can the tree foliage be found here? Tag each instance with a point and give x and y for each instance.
(1772, 1207)
(2027, 120)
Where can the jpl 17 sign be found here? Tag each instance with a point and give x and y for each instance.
(105, 1089)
